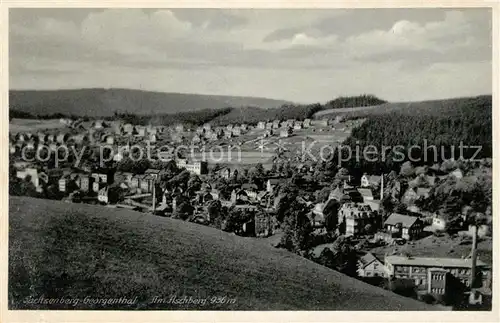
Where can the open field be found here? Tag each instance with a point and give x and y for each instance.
(68, 250)
(328, 112)
(33, 125)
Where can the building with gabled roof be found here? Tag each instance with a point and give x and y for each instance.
(370, 266)
(404, 226)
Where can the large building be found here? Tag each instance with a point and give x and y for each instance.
(435, 275)
(197, 167)
(356, 217)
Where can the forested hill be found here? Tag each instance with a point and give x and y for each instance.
(444, 125)
(105, 102)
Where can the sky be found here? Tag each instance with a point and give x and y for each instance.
(300, 55)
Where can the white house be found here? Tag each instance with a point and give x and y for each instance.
(370, 266)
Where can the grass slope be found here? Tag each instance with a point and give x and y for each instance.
(447, 107)
(75, 251)
(104, 102)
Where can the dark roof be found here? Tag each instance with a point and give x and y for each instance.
(368, 259)
(249, 186)
(406, 220)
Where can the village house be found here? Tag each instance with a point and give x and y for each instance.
(317, 216)
(108, 139)
(207, 126)
(177, 137)
(243, 127)
(366, 193)
(261, 125)
(457, 173)
(140, 131)
(439, 222)
(251, 190)
(412, 194)
(155, 173)
(226, 173)
(307, 123)
(370, 180)
(197, 167)
(62, 138)
(200, 131)
(404, 226)
(32, 172)
(263, 225)
(272, 183)
(370, 266)
(147, 181)
(41, 137)
(268, 133)
(123, 177)
(105, 176)
(30, 144)
(20, 136)
(80, 139)
(228, 134)
(196, 139)
(276, 124)
(356, 218)
(128, 128)
(151, 130)
(297, 125)
(51, 138)
(322, 122)
(340, 195)
(102, 195)
(181, 162)
(83, 181)
(99, 124)
(116, 127)
(135, 181)
(67, 183)
(434, 274)
(152, 138)
(236, 131)
(286, 133)
(269, 125)
(179, 128)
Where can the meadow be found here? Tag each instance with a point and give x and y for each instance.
(64, 250)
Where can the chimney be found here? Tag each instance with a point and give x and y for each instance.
(473, 256)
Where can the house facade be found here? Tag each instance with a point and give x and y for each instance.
(404, 226)
(433, 274)
(370, 266)
(356, 217)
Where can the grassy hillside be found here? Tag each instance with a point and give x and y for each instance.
(104, 102)
(438, 108)
(74, 251)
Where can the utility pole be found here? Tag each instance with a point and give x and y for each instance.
(474, 257)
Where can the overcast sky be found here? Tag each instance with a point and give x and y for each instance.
(298, 55)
